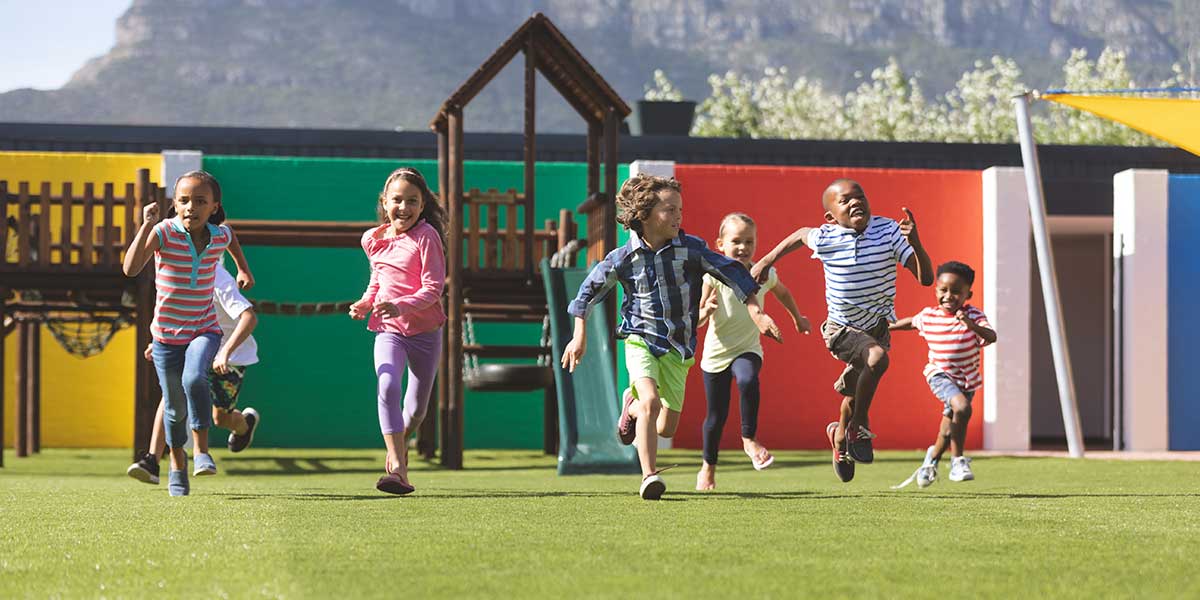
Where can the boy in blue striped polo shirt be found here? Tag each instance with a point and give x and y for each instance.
(859, 253)
(661, 270)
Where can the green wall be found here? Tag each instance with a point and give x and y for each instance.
(315, 382)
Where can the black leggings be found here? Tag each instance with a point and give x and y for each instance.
(745, 369)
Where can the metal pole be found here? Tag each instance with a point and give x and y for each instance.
(1045, 256)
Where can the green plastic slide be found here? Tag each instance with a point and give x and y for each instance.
(587, 399)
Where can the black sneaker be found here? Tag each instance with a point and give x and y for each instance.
(858, 444)
(237, 443)
(145, 469)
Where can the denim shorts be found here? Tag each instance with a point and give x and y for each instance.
(944, 388)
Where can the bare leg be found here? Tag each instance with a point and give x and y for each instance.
(943, 439)
(397, 452)
(706, 479)
(646, 409)
(158, 442)
(178, 459)
(846, 410)
(874, 363)
(231, 420)
(668, 422)
(958, 424)
(200, 439)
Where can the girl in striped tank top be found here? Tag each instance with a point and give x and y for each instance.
(187, 249)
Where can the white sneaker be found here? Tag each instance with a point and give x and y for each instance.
(927, 474)
(960, 469)
(653, 487)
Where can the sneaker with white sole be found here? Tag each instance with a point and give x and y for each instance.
(927, 474)
(960, 469)
(204, 465)
(653, 487)
(239, 442)
(145, 469)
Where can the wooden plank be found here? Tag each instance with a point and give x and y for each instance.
(490, 240)
(146, 392)
(87, 235)
(67, 244)
(510, 238)
(24, 224)
(531, 56)
(43, 227)
(473, 239)
(107, 234)
(3, 241)
(19, 443)
(130, 204)
(3, 318)
(452, 414)
(34, 436)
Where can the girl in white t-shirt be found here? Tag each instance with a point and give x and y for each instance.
(732, 350)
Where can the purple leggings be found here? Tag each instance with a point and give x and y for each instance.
(401, 410)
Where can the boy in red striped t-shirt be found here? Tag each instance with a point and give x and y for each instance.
(955, 331)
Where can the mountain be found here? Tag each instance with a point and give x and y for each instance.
(383, 64)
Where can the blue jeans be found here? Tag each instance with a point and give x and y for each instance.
(183, 376)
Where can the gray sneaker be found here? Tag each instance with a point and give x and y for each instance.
(177, 483)
(960, 469)
(927, 474)
(204, 465)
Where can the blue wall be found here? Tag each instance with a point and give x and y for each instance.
(1183, 291)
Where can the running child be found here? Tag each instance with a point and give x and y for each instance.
(955, 331)
(732, 349)
(187, 248)
(403, 301)
(858, 252)
(660, 270)
(238, 350)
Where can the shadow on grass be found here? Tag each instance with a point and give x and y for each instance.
(307, 465)
(419, 495)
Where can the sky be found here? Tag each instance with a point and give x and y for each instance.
(55, 38)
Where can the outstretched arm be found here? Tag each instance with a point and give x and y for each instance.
(789, 244)
(247, 321)
(785, 298)
(573, 353)
(904, 324)
(918, 264)
(144, 243)
(708, 303)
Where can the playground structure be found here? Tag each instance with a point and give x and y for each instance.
(66, 274)
(503, 282)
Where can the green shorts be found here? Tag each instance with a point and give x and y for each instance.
(225, 388)
(669, 371)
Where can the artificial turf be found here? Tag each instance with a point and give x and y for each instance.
(309, 524)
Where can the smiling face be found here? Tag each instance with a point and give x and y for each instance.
(665, 217)
(952, 292)
(402, 204)
(737, 241)
(194, 203)
(846, 205)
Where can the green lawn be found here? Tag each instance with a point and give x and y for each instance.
(309, 523)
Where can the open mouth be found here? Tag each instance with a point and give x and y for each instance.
(857, 212)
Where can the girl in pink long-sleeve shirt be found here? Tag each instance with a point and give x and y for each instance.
(403, 301)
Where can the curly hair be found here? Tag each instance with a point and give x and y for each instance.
(638, 196)
(961, 269)
(433, 213)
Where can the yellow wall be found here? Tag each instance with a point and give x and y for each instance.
(85, 402)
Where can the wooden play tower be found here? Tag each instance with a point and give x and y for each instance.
(480, 287)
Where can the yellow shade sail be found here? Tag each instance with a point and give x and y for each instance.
(1173, 120)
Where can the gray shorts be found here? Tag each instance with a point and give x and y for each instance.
(847, 344)
(945, 389)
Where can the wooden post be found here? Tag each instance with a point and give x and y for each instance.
(67, 235)
(3, 244)
(550, 420)
(427, 434)
(43, 228)
(87, 256)
(452, 425)
(108, 255)
(530, 150)
(35, 388)
(24, 227)
(20, 444)
(146, 392)
(609, 213)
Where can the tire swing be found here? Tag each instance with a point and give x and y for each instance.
(506, 377)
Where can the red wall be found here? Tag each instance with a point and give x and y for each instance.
(797, 377)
